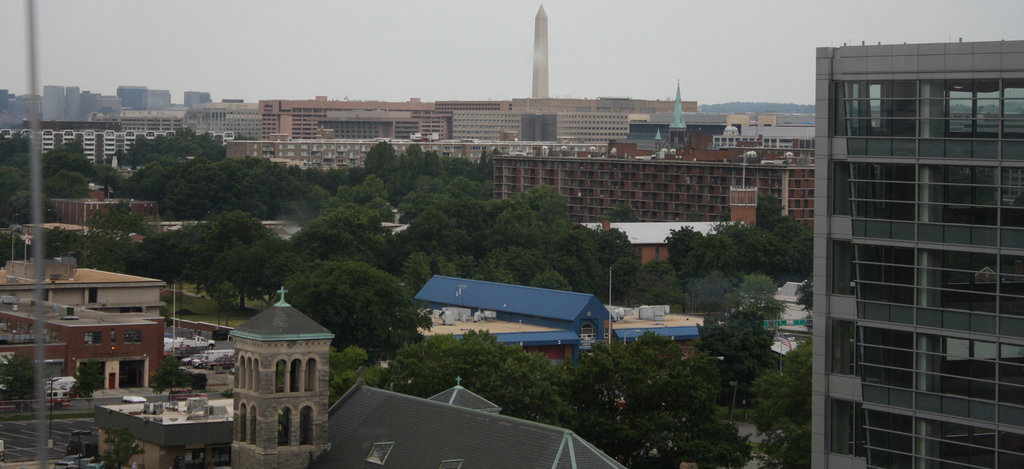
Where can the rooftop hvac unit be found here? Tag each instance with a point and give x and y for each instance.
(8, 299)
(478, 316)
(145, 408)
(158, 408)
(448, 317)
(646, 313)
(490, 314)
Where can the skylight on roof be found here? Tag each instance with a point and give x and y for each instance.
(450, 464)
(379, 452)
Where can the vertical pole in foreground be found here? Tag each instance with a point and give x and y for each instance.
(35, 171)
(610, 306)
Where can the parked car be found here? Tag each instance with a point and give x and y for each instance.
(221, 362)
(183, 394)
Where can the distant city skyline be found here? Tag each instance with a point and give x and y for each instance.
(467, 50)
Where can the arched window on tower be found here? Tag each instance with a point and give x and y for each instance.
(242, 423)
(239, 372)
(284, 423)
(252, 424)
(306, 426)
(294, 383)
(254, 373)
(311, 374)
(280, 372)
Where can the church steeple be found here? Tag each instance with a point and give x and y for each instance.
(678, 136)
(677, 112)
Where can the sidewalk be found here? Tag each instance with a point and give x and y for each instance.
(748, 429)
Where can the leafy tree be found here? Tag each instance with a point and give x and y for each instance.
(121, 446)
(417, 271)
(88, 379)
(360, 304)
(525, 385)
(744, 345)
(805, 294)
(344, 370)
(658, 285)
(17, 377)
(550, 279)
(224, 294)
(346, 232)
(757, 293)
(708, 294)
(769, 211)
(647, 405)
(67, 184)
(620, 213)
(783, 413)
(169, 375)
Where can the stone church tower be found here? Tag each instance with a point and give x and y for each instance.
(281, 387)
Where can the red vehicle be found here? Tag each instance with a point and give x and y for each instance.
(183, 394)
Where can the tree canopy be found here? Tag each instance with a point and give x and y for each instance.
(647, 405)
(783, 414)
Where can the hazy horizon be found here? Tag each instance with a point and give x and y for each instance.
(466, 50)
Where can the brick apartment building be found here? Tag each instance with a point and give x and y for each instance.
(690, 187)
(78, 211)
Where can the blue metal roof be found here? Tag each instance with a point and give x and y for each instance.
(528, 301)
(539, 338)
(536, 338)
(674, 333)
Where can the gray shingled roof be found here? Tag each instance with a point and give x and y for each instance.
(422, 433)
(462, 397)
(281, 322)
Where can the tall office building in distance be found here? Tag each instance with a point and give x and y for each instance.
(540, 54)
(919, 256)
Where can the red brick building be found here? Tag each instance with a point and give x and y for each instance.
(690, 187)
(129, 344)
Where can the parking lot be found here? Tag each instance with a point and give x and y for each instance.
(19, 438)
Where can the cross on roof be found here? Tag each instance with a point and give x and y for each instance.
(458, 381)
(282, 291)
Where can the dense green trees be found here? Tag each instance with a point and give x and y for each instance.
(16, 377)
(783, 414)
(643, 403)
(169, 375)
(525, 385)
(646, 405)
(360, 304)
(744, 345)
(121, 446)
(88, 378)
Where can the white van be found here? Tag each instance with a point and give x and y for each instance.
(215, 356)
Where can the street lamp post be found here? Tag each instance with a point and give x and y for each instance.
(80, 434)
(733, 404)
(610, 319)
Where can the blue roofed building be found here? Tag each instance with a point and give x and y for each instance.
(557, 323)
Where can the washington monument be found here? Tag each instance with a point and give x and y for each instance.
(540, 54)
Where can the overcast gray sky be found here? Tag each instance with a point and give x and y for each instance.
(471, 49)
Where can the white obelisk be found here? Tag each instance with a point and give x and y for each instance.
(540, 54)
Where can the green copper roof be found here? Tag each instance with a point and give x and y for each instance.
(281, 323)
(677, 112)
(658, 135)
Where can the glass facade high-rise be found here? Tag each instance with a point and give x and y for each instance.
(919, 256)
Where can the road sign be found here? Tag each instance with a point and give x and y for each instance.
(785, 322)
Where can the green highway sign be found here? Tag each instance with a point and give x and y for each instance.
(785, 322)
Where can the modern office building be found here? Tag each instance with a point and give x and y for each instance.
(195, 98)
(239, 118)
(919, 256)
